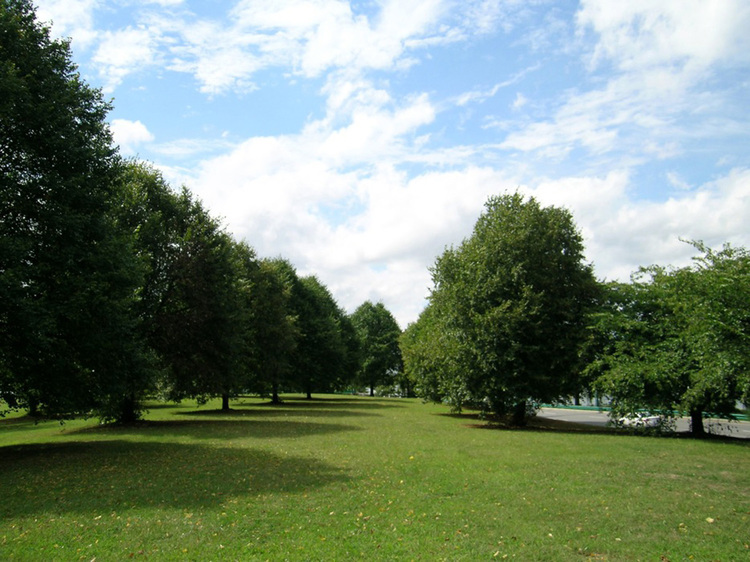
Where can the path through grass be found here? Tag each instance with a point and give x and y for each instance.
(344, 478)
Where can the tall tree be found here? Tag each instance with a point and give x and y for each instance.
(512, 302)
(431, 360)
(276, 327)
(323, 359)
(68, 335)
(380, 355)
(248, 293)
(192, 306)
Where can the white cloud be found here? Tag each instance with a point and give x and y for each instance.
(129, 135)
(70, 18)
(369, 194)
(601, 120)
(186, 148)
(520, 101)
(122, 52)
(641, 34)
(476, 96)
(373, 234)
(663, 54)
(622, 234)
(312, 38)
(164, 2)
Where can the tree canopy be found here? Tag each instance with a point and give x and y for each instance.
(508, 311)
(675, 341)
(325, 357)
(379, 352)
(68, 335)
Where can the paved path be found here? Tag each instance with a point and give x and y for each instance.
(739, 429)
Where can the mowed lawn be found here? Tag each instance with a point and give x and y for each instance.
(345, 478)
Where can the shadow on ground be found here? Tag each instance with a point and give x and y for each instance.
(358, 403)
(219, 429)
(263, 412)
(117, 475)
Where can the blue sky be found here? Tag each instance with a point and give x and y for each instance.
(359, 139)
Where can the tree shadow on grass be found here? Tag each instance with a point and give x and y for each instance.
(353, 402)
(263, 412)
(26, 423)
(220, 429)
(117, 475)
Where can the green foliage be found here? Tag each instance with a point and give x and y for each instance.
(324, 358)
(379, 353)
(276, 326)
(430, 356)
(507, 313)
(675, 341)
(68, 332)
(191, 301)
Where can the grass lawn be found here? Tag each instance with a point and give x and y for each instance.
(342, 478)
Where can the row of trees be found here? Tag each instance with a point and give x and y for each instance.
(114, 287)
(516, 318)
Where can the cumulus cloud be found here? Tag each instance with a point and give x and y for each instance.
(70, 18)
(622, 232)
(642, 34)
(122, 52)
(662, 73)
(129, 135)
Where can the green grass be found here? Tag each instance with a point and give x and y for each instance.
(345, 478)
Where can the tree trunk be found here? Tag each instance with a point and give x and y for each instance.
(519, 414)
(275, 393)
(127, 410)
(309, 395)
(577, 400)
(225, 402)
(696, 423)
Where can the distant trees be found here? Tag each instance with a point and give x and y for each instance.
(219, 321)
(507, 314)
(326, 355)
(275, 327)
(379, 352)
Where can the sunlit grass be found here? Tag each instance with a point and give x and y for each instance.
(344, 477)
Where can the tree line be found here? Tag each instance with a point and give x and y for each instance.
(114, 287)
(516, 319)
